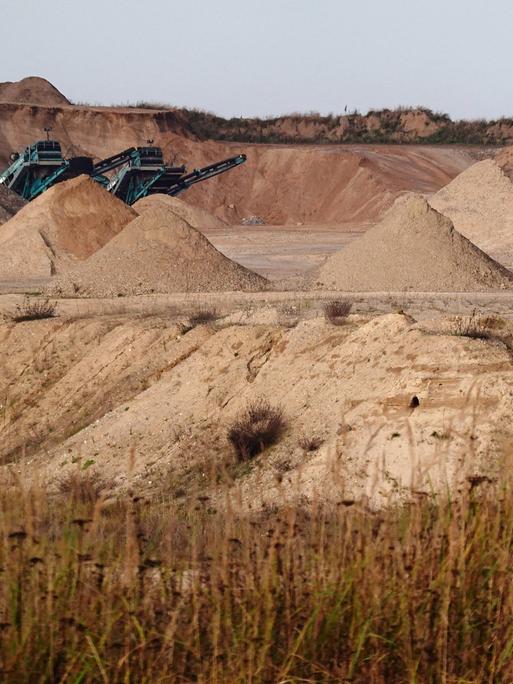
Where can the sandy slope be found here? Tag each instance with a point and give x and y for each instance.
(479, 202)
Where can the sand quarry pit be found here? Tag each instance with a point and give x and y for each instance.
(377, 406)
(157, 252)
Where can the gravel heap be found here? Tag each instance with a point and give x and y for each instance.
(479, 202)
(64, 225)
(195, 216)
(157, 252)
(413, 248)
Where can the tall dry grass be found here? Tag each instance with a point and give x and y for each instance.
(128, 591)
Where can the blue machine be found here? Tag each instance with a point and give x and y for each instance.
(138, 171)
(40, 166)
(145, 173)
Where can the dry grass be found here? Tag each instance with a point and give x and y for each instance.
(141, 593)
(33, 310)
(256, 428)
(337, 311)
(84, 486)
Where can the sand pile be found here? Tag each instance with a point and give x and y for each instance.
(32, 90)
(479, 202)
(413, 248)
(157, 252)
(67, 223)
(10, 203)
(195, 216)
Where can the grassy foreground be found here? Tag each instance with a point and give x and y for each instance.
(149, 593)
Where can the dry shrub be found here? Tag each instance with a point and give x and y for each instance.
(85, 487)
(337, 311)
(202, 317)
(34, 310)
(256, 428)
(486, 328)
(310, 443)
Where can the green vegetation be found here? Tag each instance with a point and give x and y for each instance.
(94, 590)
(377, 126)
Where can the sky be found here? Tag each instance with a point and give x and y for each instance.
(267, 57)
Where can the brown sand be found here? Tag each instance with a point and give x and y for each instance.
(67, 223)
(10, 203)
(479, 202)
(413, 248)
(195, 216)
(157, 252)
(32, 90)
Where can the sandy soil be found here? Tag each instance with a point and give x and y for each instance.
(278, 252)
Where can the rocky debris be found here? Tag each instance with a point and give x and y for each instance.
(253, 221)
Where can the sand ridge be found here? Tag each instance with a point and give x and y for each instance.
(157, 252)
(412, 248)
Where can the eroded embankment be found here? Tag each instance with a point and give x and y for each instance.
(102, 393)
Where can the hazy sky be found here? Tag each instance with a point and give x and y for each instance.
(268, 56)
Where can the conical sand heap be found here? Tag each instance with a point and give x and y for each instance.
(413, 248)
(479, 202)
(195, 216)
(157, 252)
(64, 225)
